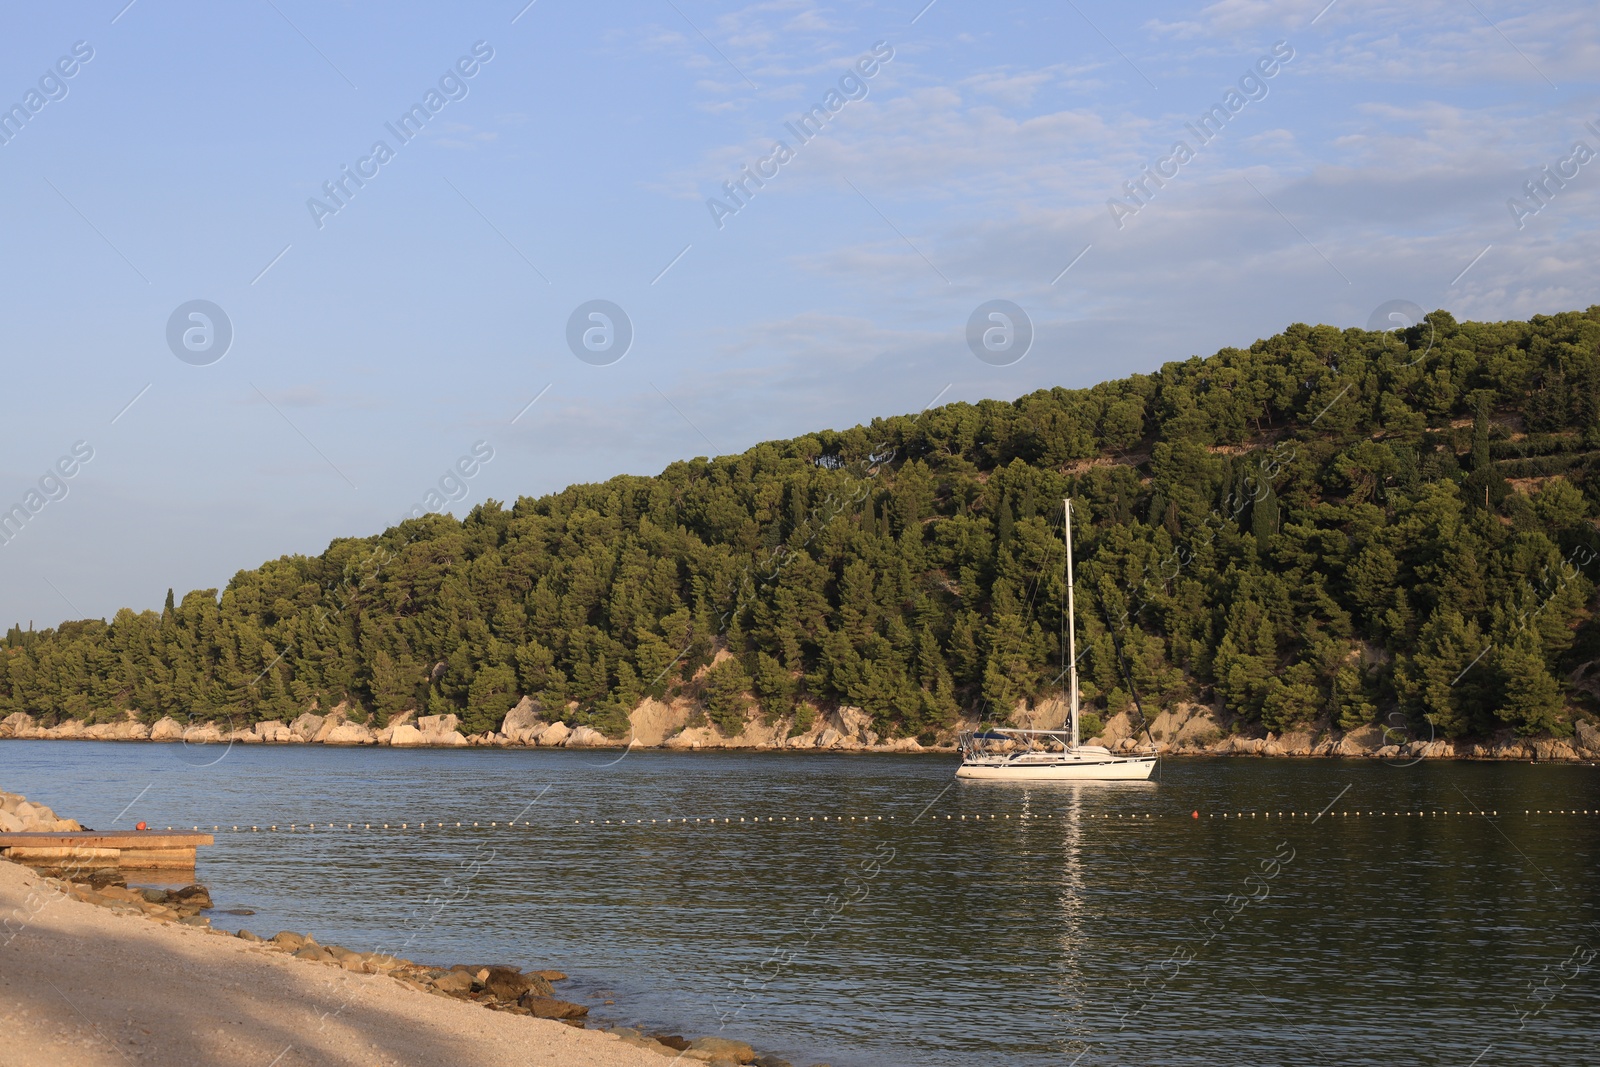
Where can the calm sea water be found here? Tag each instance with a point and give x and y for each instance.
(1073, 924)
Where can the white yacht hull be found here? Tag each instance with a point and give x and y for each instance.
(1116, 769)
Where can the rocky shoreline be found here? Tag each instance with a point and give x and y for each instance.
(1184, 730)
(497, 987)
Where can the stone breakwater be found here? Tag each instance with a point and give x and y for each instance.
(1185, 729)
(18, 816)
(497, 987)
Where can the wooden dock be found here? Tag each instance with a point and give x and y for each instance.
(144, 849)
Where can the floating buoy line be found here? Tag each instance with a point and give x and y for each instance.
(858, 820)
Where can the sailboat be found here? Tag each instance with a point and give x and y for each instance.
(1006, 754)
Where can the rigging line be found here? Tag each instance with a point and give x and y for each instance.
(1038, 576)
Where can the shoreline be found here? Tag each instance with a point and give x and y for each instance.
(72, 952)
(1525, 753)
(81, 984)
(1187, 730)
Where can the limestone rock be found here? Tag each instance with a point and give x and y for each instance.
(348, 733)
(1513, 749)
(1586, 736)
(330, 723)
(853, 725)
(522, 723)
(128, 729)
(385, 736)
(166, 729)
(1295, 743)
(1188, 725)
(306, 726)
(406, 736)
(588, 737)
(653, 721)
(1362, 742)
(436, 730)
(555, 734)
(1554, 750)
(274, 731)
(17, 724)
(206, 733)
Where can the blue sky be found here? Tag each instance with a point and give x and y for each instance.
(373, 346)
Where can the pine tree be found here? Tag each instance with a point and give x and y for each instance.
(723, 694)
(1532, 700)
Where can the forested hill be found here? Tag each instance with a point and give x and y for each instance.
(1330, 526)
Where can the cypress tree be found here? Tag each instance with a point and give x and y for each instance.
(1264, 514)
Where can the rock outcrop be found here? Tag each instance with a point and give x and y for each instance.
(1185, 728)
(348, 733)
(18, 816)
(522, 723)
(588, 737)
(167, 729)
(1587, 740)
(273, 731)
(306, 726)
(553, 735)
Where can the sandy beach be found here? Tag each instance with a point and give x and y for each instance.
(81, 985)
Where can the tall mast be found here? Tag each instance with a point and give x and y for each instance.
(1072, 630)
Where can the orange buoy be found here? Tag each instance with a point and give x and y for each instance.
(141, 826)
(1196, 814)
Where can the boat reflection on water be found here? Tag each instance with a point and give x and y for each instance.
(1084, 996)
